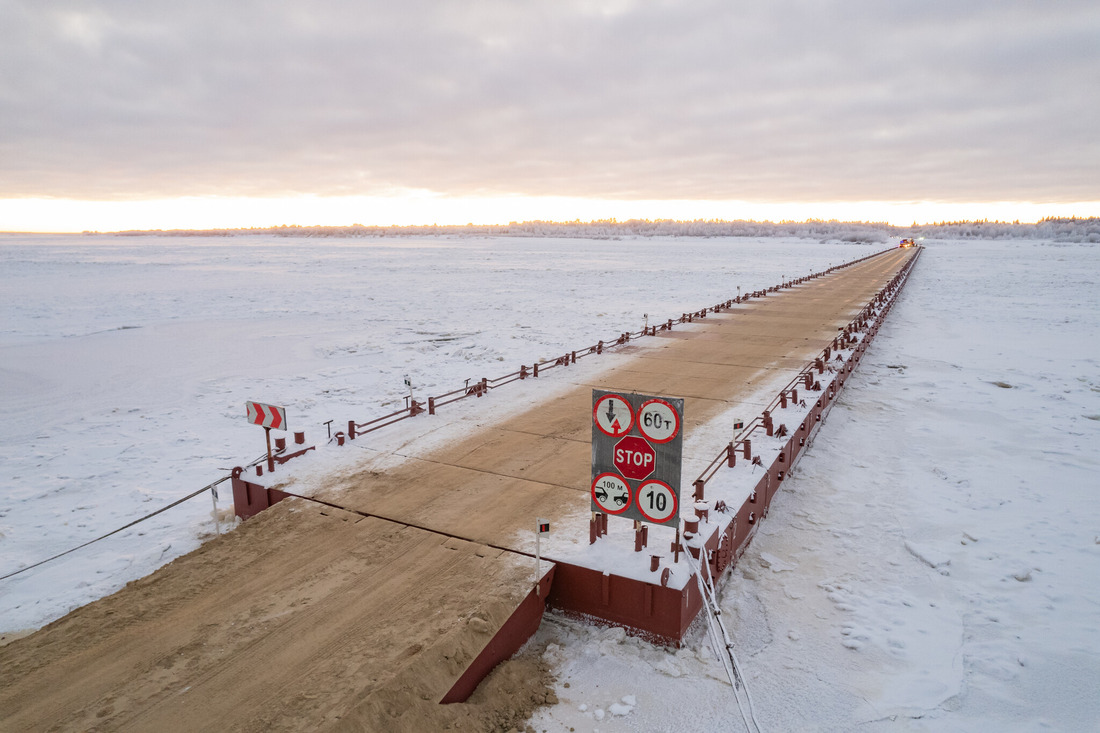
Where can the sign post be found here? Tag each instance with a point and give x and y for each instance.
(543, 528)
(270, 458)
(214, 499)
(268, 417)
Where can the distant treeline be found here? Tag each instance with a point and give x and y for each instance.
(1060, 230)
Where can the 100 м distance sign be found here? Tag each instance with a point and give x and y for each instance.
(637, 444)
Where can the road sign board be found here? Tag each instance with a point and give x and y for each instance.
(613, 415)
(610, 493)
(658, 421)
(656, 501)
(634, 458)
(268, 416)
(631, 454)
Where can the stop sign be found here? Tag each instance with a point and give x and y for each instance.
(634, 458)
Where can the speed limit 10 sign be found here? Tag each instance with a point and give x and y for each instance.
(637, 447)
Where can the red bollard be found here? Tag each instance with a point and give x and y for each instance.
(748, 448)
(698, 486)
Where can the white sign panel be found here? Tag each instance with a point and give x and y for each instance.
(658, 421)
(613, 415)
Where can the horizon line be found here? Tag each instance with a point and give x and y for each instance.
(607, 222)
(425, 209)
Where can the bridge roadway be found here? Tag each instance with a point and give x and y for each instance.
(309, 617)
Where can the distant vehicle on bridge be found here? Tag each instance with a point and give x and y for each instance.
(906, 243)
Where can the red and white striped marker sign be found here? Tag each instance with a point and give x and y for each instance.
(268, 416)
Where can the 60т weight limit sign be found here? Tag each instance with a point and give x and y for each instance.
(637, 444)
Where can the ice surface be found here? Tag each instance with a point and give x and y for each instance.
(924, 465)
(124, 365)
(125, 362)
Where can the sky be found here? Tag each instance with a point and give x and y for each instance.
(205, 114)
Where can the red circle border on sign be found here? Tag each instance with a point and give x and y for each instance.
(629, 493)
(674, 414)
(675, 501)
(629, 409)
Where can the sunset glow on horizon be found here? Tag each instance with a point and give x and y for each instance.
(426, 209)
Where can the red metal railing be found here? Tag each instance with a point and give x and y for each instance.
(481, 388)
(868, 319)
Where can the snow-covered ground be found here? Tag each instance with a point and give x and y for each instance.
(931, 564)
(125, 362)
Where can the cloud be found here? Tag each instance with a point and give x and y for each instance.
(656, 100)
